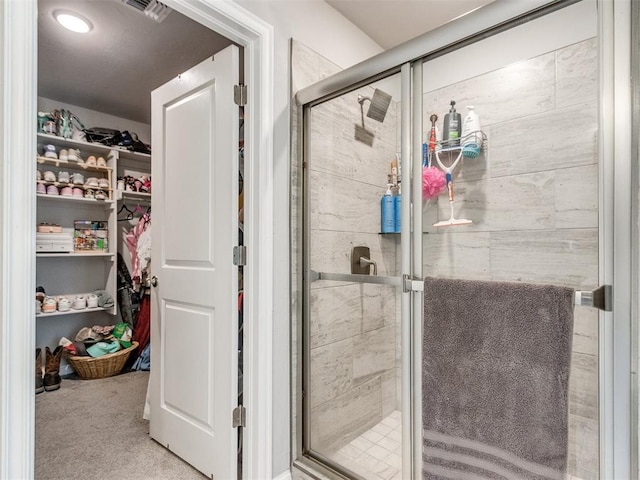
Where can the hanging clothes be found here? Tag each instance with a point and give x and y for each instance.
(138, 241)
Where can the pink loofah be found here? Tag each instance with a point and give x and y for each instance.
(433, 182)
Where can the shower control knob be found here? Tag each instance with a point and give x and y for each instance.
(154, 281)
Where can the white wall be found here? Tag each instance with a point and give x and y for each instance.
(93, 118)
(326, 31)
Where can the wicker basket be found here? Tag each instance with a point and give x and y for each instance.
(108, 365)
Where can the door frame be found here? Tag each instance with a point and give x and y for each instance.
(18, 103)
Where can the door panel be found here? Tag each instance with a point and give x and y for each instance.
(194, 317)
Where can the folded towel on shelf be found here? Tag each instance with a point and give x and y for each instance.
(496, 359)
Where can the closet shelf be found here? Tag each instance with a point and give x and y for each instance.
(72, 311)
(122, 195)
(63, 198)
(71, 165)
(108, 255)
(79, 144)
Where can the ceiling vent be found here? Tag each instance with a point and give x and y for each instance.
(151, 8)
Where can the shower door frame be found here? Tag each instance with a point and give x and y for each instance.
(618, 421)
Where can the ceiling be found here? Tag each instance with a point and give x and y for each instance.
(113, 68)
(392, 22)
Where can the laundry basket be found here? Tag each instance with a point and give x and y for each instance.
(90, 368)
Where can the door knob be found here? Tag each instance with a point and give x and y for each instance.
(154, 281)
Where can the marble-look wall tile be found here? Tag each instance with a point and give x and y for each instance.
(378, 306)
(457, 255)
(336, 314)
(501, 95)
(330, 371)
(585, 330)
(575, 197)
(577, 73)
(556, 257)
(555, 139)
(388, 385)
(339, 420)
(374, 352)
(331, 252)
(339, 204)
(308, 66)
(583, 386)
(334, 150)
(583, 448)
(518, 202)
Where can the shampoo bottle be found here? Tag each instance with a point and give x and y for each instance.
(471, 136)
(397, 212)
(387, 220)
(452, 127)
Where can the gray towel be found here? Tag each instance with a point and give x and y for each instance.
(495, 380)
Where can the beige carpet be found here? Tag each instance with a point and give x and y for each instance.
(93, 429)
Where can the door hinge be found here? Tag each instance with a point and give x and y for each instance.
(239, 416)
(240, 95)
(240, 256)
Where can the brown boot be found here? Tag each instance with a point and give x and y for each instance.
(39, 384)
(52, 369)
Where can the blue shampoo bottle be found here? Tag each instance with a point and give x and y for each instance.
(387, 217)
(397, 212)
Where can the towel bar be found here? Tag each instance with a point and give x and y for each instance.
(601, 297)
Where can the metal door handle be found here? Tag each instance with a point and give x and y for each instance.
(154, 281)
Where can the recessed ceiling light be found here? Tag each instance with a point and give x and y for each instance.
(72, 21)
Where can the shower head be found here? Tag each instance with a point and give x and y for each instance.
(378, 106)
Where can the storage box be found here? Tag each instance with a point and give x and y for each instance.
(90, 236)
(55, 242)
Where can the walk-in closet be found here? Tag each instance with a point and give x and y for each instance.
(94, 188)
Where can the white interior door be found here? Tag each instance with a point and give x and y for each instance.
(194, 317)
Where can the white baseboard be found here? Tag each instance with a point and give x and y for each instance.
(286, 475)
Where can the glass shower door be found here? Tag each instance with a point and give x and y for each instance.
(351, 337)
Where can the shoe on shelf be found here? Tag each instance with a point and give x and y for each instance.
(91, 161)
(92, 301)
(79, 303)
(41, 189)
(49, 305)
(50, 152)
(64, 305)
(72, 155)
(52, 378)
(49, 176)
(91, 182)
(63, 155)
(101, 162)
(39, 372)
(66, 191)
(89, 193)
(38, 175)
(52, 190)
(101, 195)
(103, 183)
(63, 177)
(78, 192)
(40, 293)
(77, 179)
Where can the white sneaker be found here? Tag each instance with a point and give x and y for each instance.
(92, 301)
(63, 155)
(79, 303)
(64, 305)
(49, 305)
(63, 177)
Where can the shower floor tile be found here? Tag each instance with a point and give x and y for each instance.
(376, 454)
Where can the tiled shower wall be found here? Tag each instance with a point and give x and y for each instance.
(533, 198)
(353, 326)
